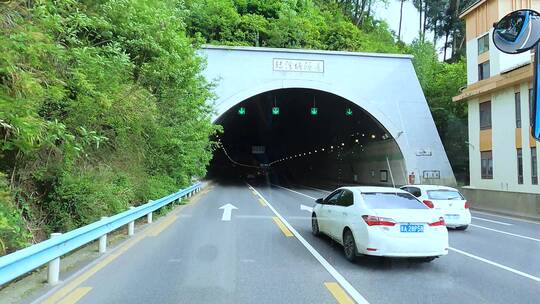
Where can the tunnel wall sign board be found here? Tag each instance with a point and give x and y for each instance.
(294, 65)
(258, 149)
(385, 86)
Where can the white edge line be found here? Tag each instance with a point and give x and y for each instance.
(523, 274)
(333, 272)
(468, 254)
(491, 221)
(316, 189)
(506, 217)
(294, 191)
(508, 233)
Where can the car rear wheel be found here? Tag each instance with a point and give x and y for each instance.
(315, 225)
(349, 246)
(427, 259)
(462, 227)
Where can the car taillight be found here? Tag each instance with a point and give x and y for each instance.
(440, 222)
(429, 203)
(378, 221)
(467, 205)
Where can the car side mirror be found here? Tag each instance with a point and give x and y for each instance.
(319, 201)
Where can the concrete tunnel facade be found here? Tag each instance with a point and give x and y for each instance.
(383, 85)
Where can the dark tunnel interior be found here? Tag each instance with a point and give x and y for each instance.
(294, 135)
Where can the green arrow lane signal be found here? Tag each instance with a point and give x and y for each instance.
(314, 111)
(348, 112)
(275, 110)
(242, 111)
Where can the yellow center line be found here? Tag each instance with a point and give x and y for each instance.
(73, 284)
(90, 272)
(162, 225)
(263, 203)
(282, 226)
(76, 295)
(339, 294)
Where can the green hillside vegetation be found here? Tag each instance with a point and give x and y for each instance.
(103, 105)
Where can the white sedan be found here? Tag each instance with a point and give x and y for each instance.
(448, 201)
(380, 221)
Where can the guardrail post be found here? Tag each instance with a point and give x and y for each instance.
(149, 218)
(102, 247)
(131, 225)
(53, 274)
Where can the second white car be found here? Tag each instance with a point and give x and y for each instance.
(449, 202)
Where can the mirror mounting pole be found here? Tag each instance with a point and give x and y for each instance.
(534, 111)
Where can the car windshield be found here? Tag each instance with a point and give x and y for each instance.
(384, 200)
(444, 195)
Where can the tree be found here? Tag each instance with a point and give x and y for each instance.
(400, 19)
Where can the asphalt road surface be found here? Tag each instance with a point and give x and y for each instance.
(265, 253)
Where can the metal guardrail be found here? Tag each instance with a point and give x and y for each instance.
(25, 260)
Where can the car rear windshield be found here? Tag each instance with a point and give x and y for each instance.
(444, 195)
(384, 200)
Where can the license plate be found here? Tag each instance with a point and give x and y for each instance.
(411, 228)
(451, 216)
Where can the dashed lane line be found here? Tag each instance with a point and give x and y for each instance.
(353, 293)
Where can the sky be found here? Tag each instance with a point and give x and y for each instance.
(409, 26)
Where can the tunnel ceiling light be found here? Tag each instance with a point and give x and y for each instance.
(363, 134)
(356, 140)
(373, 136)
(322, 149)
(309, 152)
(342, 144)
(331, 147)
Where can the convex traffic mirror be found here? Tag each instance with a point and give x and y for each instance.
(517, 32)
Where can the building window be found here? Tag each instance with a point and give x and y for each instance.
(483, 70)
(534, 168)
(483, 44)
(517, 99)
(485, 115)
(486, 161)
(530, 107)
(520, 165)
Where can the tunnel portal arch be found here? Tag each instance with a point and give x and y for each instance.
(383, 85)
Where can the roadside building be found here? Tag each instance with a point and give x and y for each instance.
(503, 156)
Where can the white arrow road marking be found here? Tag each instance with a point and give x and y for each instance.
(227, 210)
(307, 208)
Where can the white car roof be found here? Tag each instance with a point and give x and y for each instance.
(432, 187)
(364, 189)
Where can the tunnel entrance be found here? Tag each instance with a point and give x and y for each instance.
(305, 135)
